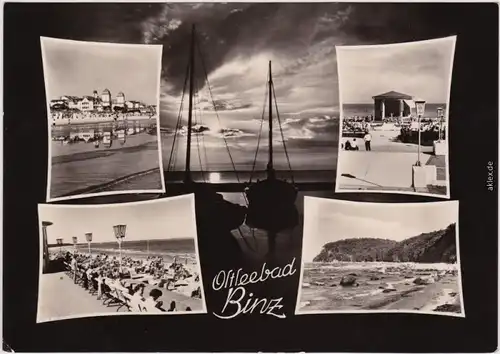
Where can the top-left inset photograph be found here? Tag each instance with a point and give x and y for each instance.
(103, 118)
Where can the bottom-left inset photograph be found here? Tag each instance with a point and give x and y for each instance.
(129, 258)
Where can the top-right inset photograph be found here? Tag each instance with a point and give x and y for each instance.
(394, 113)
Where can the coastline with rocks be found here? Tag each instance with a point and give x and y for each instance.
(355, 286)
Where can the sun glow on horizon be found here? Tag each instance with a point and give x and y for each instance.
(214, 177)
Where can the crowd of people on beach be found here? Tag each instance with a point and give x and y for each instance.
(359, 127)
(426, 124)
(356, 125)
(137, 284)
(430, 129)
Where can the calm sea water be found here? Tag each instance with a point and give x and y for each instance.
(364, 109)
(78, 166)
(178, 245)
(182, 248)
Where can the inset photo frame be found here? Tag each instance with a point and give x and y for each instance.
(380, 258)
(103, 118)
(118, 259)
(394, 117)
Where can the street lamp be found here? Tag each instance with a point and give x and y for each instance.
(120, 235)
(440, 114)
(88, 237)
(60, 242)
(420, 107)
(46, 259)
(75, 241)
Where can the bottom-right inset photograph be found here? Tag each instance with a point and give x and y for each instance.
(379, 258)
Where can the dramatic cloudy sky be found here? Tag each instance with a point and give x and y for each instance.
(330, 221)
(420, 69)
(78, 68)
(237, 40)
(165, 219)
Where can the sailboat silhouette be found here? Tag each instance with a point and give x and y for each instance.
(215, 216)
(271, 202)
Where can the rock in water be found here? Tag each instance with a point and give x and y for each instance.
(374, 278)
(388, 290)
(387, 286)
(348, 280)
(419, 281)
(423, 280)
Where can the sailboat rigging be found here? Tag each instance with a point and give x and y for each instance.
(212, 210)
(271, 202)
(187, 176)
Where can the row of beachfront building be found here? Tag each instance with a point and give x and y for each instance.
(99, 103)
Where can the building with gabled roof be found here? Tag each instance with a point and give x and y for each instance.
(392, 104)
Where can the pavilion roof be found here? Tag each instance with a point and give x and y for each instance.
(394, 95)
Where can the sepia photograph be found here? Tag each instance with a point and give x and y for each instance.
(362, 257)
(172, 158)
(129, 258)
(394, 101)
(103, 118)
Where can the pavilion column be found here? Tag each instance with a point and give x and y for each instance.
(401, 108)
(382, 103)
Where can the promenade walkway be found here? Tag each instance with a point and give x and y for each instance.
(387, 167)
(60, 298)
(371, 169)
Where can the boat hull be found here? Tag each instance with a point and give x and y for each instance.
(271, 206)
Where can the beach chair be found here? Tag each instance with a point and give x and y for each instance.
(79, 277)
(123, 298)
(133, 273)
(68, 270)
(109, 297)
(109, 293)
(93, 286)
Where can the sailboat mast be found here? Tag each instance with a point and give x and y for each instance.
(270, 168)
(187, 177)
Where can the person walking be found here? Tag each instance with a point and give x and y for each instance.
(74, 266)
(368, 140)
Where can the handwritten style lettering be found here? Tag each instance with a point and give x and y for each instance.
(239, 302)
